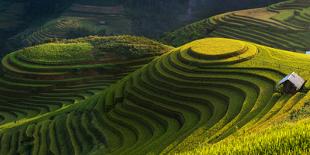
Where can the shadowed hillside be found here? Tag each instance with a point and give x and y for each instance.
(285, 25)
(50, 19)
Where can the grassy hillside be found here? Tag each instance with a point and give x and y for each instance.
(47, 77)
(18, 15)
(69, 19)
(201, 92)
(284, 25)
(79, 20)
(286, 138)
(10, 19)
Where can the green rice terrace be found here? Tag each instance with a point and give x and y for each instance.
(77, 21)
(67, 19)
(73, 81)
(284, 25)
(131, 95)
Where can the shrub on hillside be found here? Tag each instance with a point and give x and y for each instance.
(57, 53)
(124, 46)
(130, 50)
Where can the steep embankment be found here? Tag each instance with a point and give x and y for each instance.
(284, 25)
(200, 92)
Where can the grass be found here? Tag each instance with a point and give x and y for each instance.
(187, 144)
(284, 15)
(283, 28)
(54, 76)
(74, 24)
(179, 84)
(303, 112)
(57, 52)
(228, 48)
(61, 28)
(134, 97)
(287, 138)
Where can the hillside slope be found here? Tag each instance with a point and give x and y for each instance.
(49, 77)
(290, 137)
(11, 19)
(284, 25)
(112, 17)
(206, 89)
(77, 21)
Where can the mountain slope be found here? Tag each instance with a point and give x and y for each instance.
(11, 20)
(206, 89)
(77, 21)
(284, 25)
(72, 19)
(44, 78)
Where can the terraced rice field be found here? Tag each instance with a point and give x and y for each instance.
(34, 87)
(285, 25)
(54, 29)
(203, 91)
(286, 138)
(77, 21)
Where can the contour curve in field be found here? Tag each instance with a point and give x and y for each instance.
(214, 51)
(202, 91)
(218, 48)
(284, 25)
